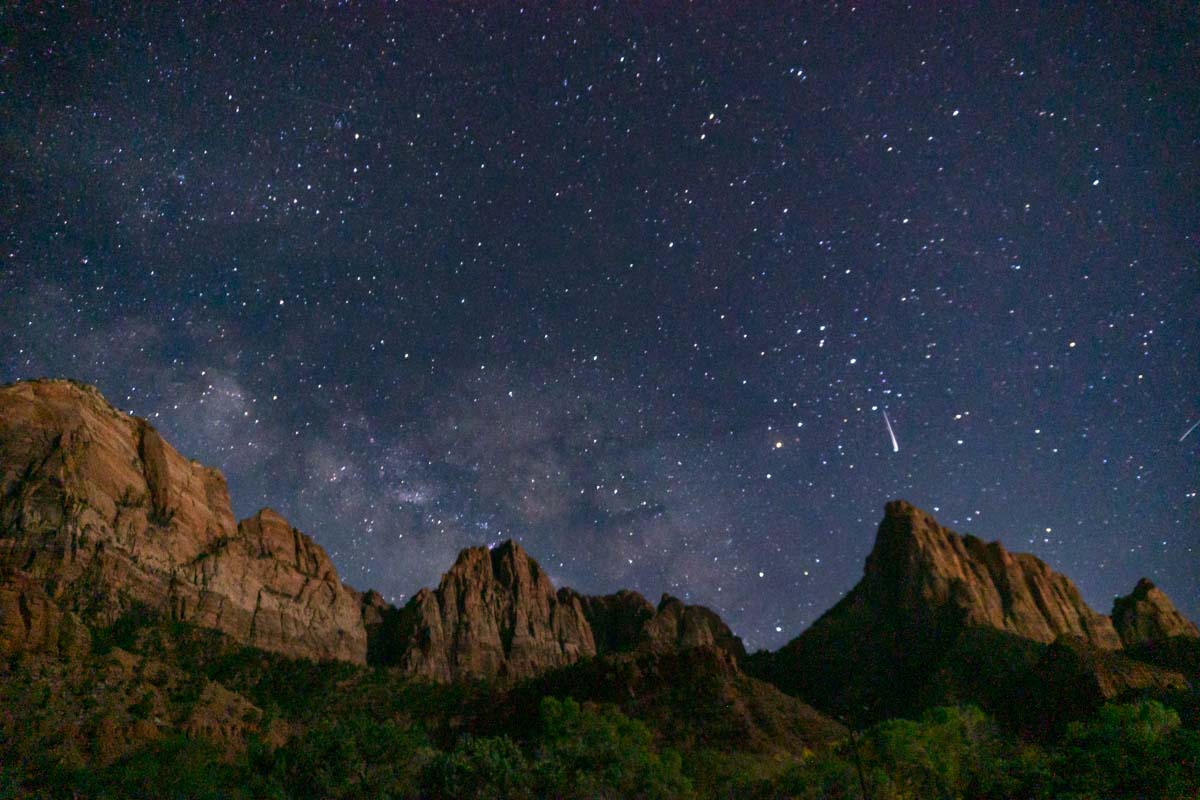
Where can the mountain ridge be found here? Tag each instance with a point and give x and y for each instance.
(99, 514)
(100, 509)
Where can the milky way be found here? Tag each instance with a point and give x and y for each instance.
(629, 284)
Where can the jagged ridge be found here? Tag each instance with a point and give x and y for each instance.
(99, 516)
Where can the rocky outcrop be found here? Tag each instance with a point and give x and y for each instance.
(617, 620)
(1148, 615)
(1073, 678)
(495, 614)
(99, 516)
(920, 569)
(96, 508)
(31, 622)
(627, 622)
(930, 603)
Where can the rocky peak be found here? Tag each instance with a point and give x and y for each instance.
(936, 575)
(494, 614)
(676, 626)
(269, 535)
(1146, 614)
(98, 508)
(937, 617)
(617, 620)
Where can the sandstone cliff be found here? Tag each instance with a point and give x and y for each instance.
(104, 516)
(921, 569)
(1148, 615)
(495, 613)
(100, 516)
(936, 618)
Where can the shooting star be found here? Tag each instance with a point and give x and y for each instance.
(1195, 425)
(896, 445)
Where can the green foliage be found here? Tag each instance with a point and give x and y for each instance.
(178, 768)
(1127, 751)
(363, 732)
(598, 752)
(1130, 751)
(943, 756)
(483, 768)
(579, 752)
(142, 708)
(353, 756)
(826, 775)
(11, 779)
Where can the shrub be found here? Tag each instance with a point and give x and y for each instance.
(598, 752)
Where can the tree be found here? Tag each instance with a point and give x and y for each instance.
(598, 752)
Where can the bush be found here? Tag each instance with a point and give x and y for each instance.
(598, 752)
(949, 753)
(352, 757)
(481, 768)
(1128, 751)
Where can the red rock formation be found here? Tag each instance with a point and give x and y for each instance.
(936, 618)
(99, 510)
(31, 621)
(1072, 679)
(496, 614)
(1148, 615)
(924, 569)
(99, 515)
(626, 621)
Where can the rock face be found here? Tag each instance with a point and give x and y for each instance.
(495, 613)
(31, 621)
(105, 516)
(627, 622)
(937, 617)
(99, 516)
(921, 569)
(1148, 615)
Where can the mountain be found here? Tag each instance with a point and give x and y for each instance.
(495, 613)
(143, 629)
(1148, 615)
(100, 516)
(942, 618)
(117, 553)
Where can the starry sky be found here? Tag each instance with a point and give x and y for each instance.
(631, 283)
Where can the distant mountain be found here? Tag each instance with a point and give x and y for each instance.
(139, 619)
(99, 515)
(942, 618)
(1148, 615)
(100, 518)
(102, 521)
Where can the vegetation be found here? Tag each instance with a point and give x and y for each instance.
(138, 720)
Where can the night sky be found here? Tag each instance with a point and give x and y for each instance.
(632, 284)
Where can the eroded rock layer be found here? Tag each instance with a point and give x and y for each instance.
(936, 618)
(97, 510)
(1148, 615)
(495, 613)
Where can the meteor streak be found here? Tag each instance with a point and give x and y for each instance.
(896, 445)
(1189, 430)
